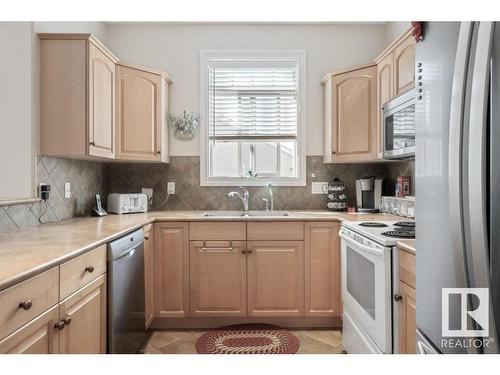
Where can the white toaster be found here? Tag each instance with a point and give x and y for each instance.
(127, 203)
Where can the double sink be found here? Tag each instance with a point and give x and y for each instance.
(244, 213)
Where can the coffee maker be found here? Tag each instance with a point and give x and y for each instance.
(368, 194)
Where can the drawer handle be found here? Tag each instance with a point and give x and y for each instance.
(59, 325)
(397, 297)
(89, 269)
(67, 320)
(26, 305)
(230, 248)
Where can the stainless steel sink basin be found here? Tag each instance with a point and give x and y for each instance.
(244, 213)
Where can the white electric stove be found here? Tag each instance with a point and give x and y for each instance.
(370, 281)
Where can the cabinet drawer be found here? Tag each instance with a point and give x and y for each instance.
(407, 268)
(276, 231)
(80, 271)
(217, 231)
(38, 293)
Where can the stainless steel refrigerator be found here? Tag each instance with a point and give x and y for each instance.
(457, 172)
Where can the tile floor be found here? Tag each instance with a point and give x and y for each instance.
(317, 341)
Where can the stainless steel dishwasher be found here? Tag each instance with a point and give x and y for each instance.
(126, 325)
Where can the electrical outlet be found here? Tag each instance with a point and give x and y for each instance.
(44, 190)
(170, 187)
(319, 187)
(67, 190)
(149, 193)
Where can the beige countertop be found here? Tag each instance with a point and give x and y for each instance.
(28, 252)
(407, 245)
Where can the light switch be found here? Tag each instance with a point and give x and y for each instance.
(67, 190)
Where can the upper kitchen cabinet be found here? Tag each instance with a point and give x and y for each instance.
(396, 68)
(77, 97)
(404, 65)
(350, 123)
(141, 113)
(385, 91)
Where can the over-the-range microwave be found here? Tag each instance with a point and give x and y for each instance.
(398, 127)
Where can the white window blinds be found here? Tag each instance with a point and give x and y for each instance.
(253, 103)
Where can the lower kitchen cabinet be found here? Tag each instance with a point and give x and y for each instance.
(75, 325)
(37, 337)
(322, 269)
(83, 320)
(275, 278)
(407, 302)
(218, 278)
(171, 258)
(407, 319)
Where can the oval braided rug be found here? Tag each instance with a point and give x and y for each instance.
(248, 339)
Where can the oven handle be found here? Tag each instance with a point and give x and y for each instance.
(368, 249)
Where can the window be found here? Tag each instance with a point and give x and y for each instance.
(252, 118)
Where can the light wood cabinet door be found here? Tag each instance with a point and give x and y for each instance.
(218, 278)
(140, 116)
(149, 280)
(385, 92)
(354, 122)
(275, 283)
(84, 315)
(407, 319)
(171, 258)
(101, 101)
(322, 269)
(404, 66)
(37, 337)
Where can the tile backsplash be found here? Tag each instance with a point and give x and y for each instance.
(86, 178)
(185, 171)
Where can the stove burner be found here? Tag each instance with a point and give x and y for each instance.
(372, 224)
(400, 233)
(405, 224)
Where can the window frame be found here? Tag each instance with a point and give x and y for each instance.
(208, 56)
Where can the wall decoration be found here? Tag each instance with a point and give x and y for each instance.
(185, 126)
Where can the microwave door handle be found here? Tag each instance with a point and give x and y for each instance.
(367, 249)
(455, 148)
(479, 271)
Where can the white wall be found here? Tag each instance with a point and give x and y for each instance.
(16, 123)
(394, 29)
(19, 100)
(175, 48)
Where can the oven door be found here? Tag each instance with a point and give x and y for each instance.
(366, 289)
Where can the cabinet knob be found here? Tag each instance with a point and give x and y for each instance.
(26, 305)
(59, 325)
(158, 152)
(333, 152)
(397, 297)
(67, 320)
(92, 143)
(249, 251)
(89, 269)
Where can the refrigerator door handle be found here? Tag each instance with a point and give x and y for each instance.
(478, 253)
(455, 147)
